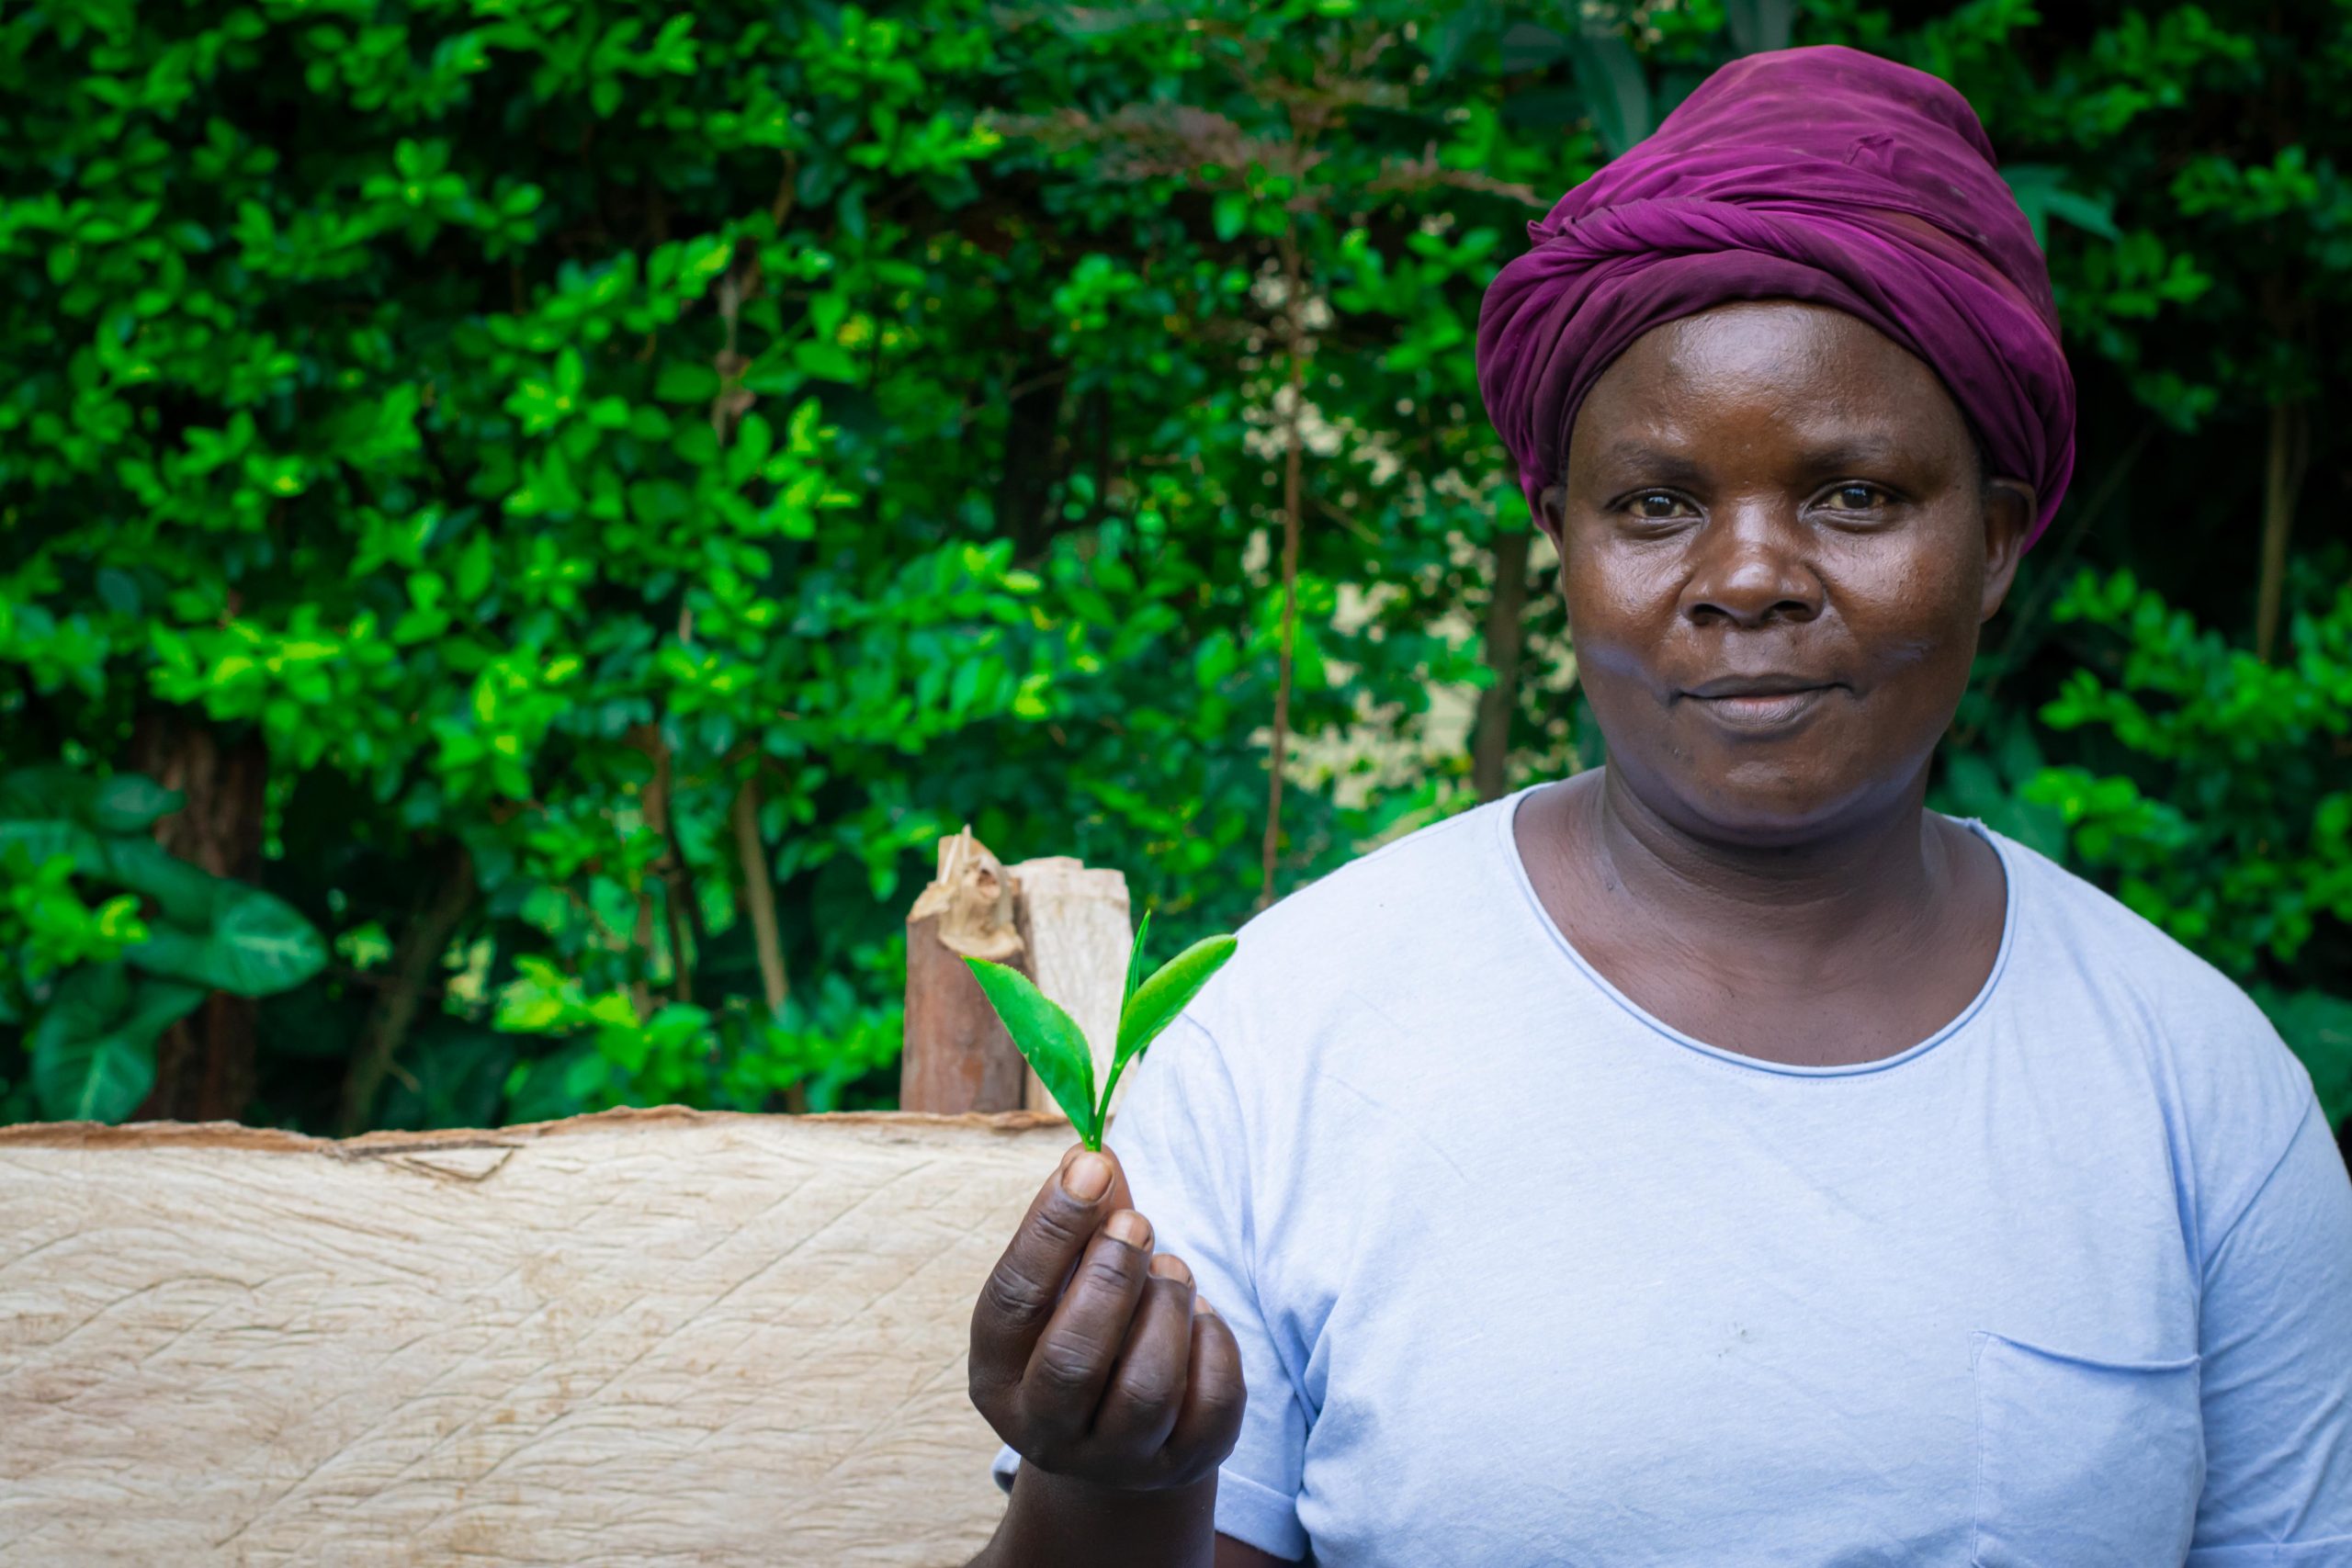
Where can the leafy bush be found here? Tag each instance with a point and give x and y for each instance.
(92, 989)
(2229, 822)
(578, 498)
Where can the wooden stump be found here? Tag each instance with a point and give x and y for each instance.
(1060, 922)
(957, 1055)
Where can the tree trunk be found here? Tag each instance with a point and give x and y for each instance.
(2282, 486)
(759, 904)
(1025, 484)
(204, 1063)
(759, 896)
(1506, 612)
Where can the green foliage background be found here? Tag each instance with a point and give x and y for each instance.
(533, 474)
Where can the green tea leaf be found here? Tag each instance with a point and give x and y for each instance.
(1134, 961)
(1049, 1038)
(186, 893)
(1156, 1002)
(55, 791)
(119, 803)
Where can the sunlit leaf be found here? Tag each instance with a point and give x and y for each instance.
(1157, 1002)
(1049, 1038)
(1135, 962)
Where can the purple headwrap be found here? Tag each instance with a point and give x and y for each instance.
(1822, 175)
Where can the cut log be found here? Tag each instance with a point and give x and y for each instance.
(958, 1057)
(641, 1338)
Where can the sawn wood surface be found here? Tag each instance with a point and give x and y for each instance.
(643, 1337)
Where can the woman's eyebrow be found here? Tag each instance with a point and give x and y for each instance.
(1649, 463)
(1856, 452)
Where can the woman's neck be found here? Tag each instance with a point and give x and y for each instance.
(1847, 947)
(1874, 878)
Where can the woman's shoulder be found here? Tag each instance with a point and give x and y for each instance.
(1389, 897)
(1422, 904)
(2208, 1050)
(2069, 923)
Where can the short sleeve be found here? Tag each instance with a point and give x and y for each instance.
(1181, 1137)
(2276, 1339)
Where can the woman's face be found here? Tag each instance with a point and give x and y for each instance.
(1778, 548)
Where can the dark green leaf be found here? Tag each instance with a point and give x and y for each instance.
(44, 840)
(1544, 107)
(129, 803)
(257, 944)
(550, 1089)
(2318, 1026)
(93, 1049)
(1527, 47)
(117, 590)
(187, 895)
(452, 1077)
(1760, 25)
(1609, 73)
(1972, 785)
(2042, 194)
(51, 792)
(1455, 33)
(1049, 1038)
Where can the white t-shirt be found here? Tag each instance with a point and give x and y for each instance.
(1522, 1275)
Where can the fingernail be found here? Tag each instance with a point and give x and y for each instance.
(1204, 1304)
(1087, 1178)
(1130, 1227)
(1167, 1266)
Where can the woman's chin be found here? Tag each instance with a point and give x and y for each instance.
(1763, 802)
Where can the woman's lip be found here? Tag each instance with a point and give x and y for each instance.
(1761, 712)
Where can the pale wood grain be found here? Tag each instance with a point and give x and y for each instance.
(641, 1338)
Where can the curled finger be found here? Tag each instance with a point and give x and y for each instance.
(1146, 1388)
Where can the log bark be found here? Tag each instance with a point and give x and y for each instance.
(958, 1057)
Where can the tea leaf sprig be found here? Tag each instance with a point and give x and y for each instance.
(1057, 1047)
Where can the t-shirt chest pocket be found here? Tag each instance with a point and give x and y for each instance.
(2083, 1463)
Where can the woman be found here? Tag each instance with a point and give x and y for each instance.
(1717, 1157)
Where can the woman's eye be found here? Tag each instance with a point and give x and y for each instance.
(1656, 504)
(1855, 498)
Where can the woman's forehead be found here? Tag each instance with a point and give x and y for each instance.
(1803, 372)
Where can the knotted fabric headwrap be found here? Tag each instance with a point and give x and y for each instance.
(1820, 174)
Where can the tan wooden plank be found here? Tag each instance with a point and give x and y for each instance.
(655, 1338)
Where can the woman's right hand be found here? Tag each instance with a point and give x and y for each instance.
(1090, 1357)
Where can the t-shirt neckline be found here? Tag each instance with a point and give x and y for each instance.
(1507, 841)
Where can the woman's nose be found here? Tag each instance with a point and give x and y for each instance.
(1750, 570)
